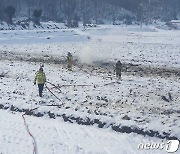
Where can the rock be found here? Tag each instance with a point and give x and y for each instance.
(170, 96)
(67, 107)
(2, 76)
(46, 55)
(126, 117)
(165, 99)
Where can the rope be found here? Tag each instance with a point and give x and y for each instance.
(73, 85)
(33, 139)
(53, 85)
(52, 92)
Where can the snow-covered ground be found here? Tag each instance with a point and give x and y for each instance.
(23, 24)
(55, 137)
(148, 45)
(91, 92)
(139, 98)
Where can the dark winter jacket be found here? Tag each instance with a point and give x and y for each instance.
(118, 66)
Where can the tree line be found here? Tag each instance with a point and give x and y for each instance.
(88, 10)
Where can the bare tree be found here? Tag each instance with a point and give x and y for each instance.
(1, 10)
(37, 14)
(10, 11)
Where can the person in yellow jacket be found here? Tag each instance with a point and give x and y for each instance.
(40, 79)
(70, 61)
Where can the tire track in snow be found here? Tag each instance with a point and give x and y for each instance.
(88, 140)
(78, 147)
(72, 144)
(124, 140)
(60, 137)
(95, 140)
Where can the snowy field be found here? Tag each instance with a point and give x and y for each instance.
(148, 101)
(55, 137)
(148, 46)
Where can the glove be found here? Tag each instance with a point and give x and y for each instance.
(34, 83)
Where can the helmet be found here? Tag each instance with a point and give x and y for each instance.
(41, 69)
(69, 54)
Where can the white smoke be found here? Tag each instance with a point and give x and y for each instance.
(86, 55)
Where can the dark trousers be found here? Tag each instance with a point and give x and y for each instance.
(40, 86)
(118, 74)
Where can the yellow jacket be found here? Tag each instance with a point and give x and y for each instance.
(40, 77)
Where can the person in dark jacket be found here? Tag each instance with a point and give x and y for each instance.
(118, 69)
(40, 79)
